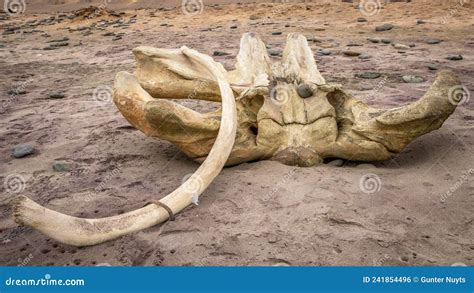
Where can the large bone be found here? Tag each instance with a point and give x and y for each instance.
(83, 232)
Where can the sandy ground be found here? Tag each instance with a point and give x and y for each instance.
(262, 213)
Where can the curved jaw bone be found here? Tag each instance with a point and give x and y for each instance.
(82, 232)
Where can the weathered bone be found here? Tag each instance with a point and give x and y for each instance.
(274, 121)
(82, 232)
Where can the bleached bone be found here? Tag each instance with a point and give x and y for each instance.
(82, 232)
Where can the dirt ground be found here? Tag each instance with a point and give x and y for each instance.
(262, 213)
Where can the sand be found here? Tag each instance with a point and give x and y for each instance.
(262, 213)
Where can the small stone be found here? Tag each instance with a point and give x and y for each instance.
(220, 53)
(386, 41)
(351, 53)
(400, 46)
(274, 52)
(23, 150)
(364, 56)
(454, 57)
(420, 21)
(324, 52)
(433, 41)
(233, 27)
(433, 66)
(336, 163)
(304, 91)
(254, 17)
(276, 33)
(384, 27)
(56, 96)
(61, 166)
(412, 79)
(368, 75)
(374, 40)
(361, 19)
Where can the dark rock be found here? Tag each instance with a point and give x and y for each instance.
(386, 41)
(304, 91)
(420, 21)
(368, 75)
(324, 52)
(276, 33)
(454, 57)
(384, 27)
(351, 53)
(220, 53)
(274, 52)
(361, 19)
(233, 27)
(433, 41)
(23, 150)
(56, 95)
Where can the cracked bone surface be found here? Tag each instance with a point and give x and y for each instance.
(82, 232)
(285, 109)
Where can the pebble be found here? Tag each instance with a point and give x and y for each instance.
(433, 41)
(400, 46)
(384, 27)
(23, 150)
(274, 52)
(336, 163)
(433, 66)
(351, 53)
(233, 27)
(386, 41)
(324, 52)
(368, 75)
(56, 96)
(304, 91)
(412, 79)
(364, 56)
(220, 53)
(61, 166)
(420, 21)
(454, 57)
(361, 19)
(276, 33)
(374, 40)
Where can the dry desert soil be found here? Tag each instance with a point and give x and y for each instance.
(55, 58)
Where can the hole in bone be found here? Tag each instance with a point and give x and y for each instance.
(254, 129)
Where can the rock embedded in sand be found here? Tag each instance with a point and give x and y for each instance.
(57, 95)
(336, 163)
(374, 40)
(401, 46)
(368, 75)
(433, 66)
(220, 53)
(433, 41)
(61, 166)
(413, 79)
(361, 19)
(23, 150)
(324, 52)
(350, 53)
(364, 56)
(276, 33)
(455, 57)
(386, 41)
(384, 27)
